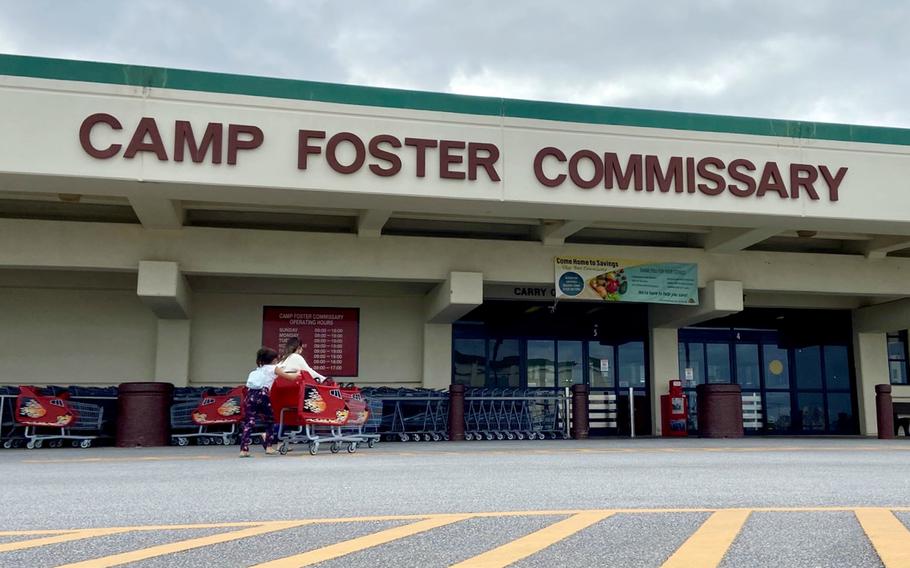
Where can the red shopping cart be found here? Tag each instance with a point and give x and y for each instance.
(309, 412)
(55, 419)
(213, 419)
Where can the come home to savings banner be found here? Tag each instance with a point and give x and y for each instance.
(613, 280)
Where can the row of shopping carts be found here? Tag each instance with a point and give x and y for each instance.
(515, 414)
(35, 417)
(411, 414)
(490, 414)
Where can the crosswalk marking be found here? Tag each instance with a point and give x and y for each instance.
(361, 543)
(707, 546)
(68, 537)
(172, 547)
(888, 536)
(535, 542)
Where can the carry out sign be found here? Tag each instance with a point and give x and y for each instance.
(612, 280)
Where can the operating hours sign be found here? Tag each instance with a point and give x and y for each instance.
(330, 336)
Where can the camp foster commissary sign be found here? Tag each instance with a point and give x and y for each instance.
(387, 155)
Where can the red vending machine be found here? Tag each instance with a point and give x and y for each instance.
(674, 411)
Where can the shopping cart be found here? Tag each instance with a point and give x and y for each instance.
(55, 419)
(214, 419)
(313, 413)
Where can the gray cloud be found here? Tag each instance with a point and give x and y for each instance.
(813, 60)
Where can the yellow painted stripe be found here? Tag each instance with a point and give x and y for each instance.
(535, 542)
(888, 535)
(33, 532)
(68, 537)
(707, 546)
(415, 517)
(171, 548)
(361, 543)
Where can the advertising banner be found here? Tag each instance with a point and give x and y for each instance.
(612, 280)
(330, 336)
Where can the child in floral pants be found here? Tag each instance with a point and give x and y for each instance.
(258, 404)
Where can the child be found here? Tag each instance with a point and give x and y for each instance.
(258, 403)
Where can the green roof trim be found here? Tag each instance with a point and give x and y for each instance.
(202, 81)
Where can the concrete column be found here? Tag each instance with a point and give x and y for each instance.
(870, 352)
(172, 357)
(664, 350)
(437, 355)
(459, 294)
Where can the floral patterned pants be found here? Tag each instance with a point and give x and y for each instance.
(259, 406)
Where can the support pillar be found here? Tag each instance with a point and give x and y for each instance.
(172, 356)
(870, 352)
(437, 355)
(664, 351)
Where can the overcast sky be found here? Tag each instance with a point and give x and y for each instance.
(832, 61)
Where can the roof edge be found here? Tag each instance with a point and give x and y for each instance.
(225, 83)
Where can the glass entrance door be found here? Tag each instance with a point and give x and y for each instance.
(805, 389)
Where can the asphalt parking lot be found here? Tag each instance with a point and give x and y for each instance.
(645, 502)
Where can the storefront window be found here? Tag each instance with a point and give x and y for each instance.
(631, 364)
(505, 370)
(718, 362)
(696, 363)
(470, 362)
(897, 357)
(571, 363)
(747, 367)
(601, 365)
(808, 367)
(541, 363)
(812, 412)
(777, 367)
(778, 411)
(840, 413)
(837, 367)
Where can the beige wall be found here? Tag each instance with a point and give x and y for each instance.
(226, 330)
(67, 336)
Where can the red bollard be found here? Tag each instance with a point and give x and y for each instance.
(884, 412)
(456, 413)
(580, 412)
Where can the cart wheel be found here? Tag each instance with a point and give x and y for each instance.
(519, 436)
(335, 447)
(30, 444)
(403, 437)
(8, 444)
(352, 447)
(205, 441)
(468, 436)
(85, 444)
(75, 443)
(499, 436)
(436, 437)
(445, 437)
(427, 437)
(371, 442)
(17, 444)
(552, 435)
(183, 441)
(314, 449)
(510, 436)
(38, 444)
(415, 437)
(283, 448)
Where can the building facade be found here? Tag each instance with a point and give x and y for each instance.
(160, 224)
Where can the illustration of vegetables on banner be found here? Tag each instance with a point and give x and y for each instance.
(612, 280)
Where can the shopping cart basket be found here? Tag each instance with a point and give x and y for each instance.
(55, 419)
(214, 419)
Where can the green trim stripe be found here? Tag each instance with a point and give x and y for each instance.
(158, 77)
